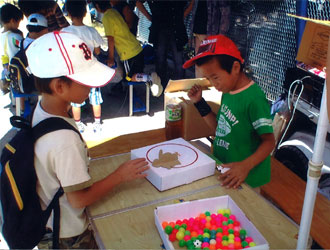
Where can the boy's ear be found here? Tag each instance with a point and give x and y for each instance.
(57, 86)
(236, 68)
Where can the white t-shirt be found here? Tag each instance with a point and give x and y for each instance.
(9, 44)
(61, 158)
(86, 33)
(27, 41)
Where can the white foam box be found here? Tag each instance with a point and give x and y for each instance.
(194, 164)
(185, 210)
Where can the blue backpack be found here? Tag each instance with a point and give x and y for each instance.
(23, 220)
(20, 76)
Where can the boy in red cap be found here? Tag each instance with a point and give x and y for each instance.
(243, 127)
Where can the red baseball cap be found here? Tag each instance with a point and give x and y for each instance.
(215, 45)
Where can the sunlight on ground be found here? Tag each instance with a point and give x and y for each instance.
(115, 127)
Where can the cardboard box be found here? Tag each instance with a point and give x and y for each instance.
(313, 47)
(194, 208)
(193, 124)
(193, 163)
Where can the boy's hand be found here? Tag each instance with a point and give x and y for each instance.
(110, 62)
(236, 174)
(132, 169)
(195, 93)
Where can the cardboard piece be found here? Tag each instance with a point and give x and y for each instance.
(194, 164)
(193, 124)
(166, 160)
(313, 47)
(194, 208)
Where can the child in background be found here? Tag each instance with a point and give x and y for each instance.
(243, 127)
(10, 38)
(49, 9)
(18, 67)
(128, 47)
(61, 157)
(127, 13)
(37, 26)
(77, 11)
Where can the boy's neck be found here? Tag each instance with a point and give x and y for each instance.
(8, 27)
(33, 35)
(77, 21)
(242, 82)
(55, 106)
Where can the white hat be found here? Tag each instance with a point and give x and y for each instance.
(37, 20)
(58, 54)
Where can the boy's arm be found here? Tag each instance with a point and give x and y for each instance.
(111, 51)
(238, 171)
(129, 16)
(211, 120)
(97, 50)
(188, 9)
(128, 171)
(141, 8)
(195, 95)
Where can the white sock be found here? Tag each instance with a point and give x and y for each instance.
(97, 119)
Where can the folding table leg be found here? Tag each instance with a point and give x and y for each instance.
(130, 100)
(18, 106)
(147, 97)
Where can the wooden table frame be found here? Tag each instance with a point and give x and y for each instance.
(121, 210)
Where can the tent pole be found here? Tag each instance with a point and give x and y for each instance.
(314, 174)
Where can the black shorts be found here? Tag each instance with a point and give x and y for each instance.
(134, 65)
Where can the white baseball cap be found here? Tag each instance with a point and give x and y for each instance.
(37, 20)
(58, 54)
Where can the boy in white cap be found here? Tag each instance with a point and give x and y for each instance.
(65, 70)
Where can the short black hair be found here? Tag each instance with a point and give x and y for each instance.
(226, 62)
(8, 12)
(33, 28)
(103, 5)
(29, 7)
(43, 84)
(76, 8)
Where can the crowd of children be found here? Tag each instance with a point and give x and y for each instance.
(66, 73)
(117, 31)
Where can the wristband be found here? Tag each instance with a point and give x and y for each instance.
(202, 107)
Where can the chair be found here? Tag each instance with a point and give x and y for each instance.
(135, 103)
(27, 109)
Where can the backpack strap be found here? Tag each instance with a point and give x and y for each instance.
(46, 126)
(55, 205)
(50, 125)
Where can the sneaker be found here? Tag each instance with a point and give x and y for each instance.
(97, 127)
(156, 85)
(81, 127)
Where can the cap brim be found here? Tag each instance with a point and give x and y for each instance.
(192, 61)
(97, 75)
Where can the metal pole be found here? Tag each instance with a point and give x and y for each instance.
(314, 173)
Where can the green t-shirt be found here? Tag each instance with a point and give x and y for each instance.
(126, 43)
(241, 119)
